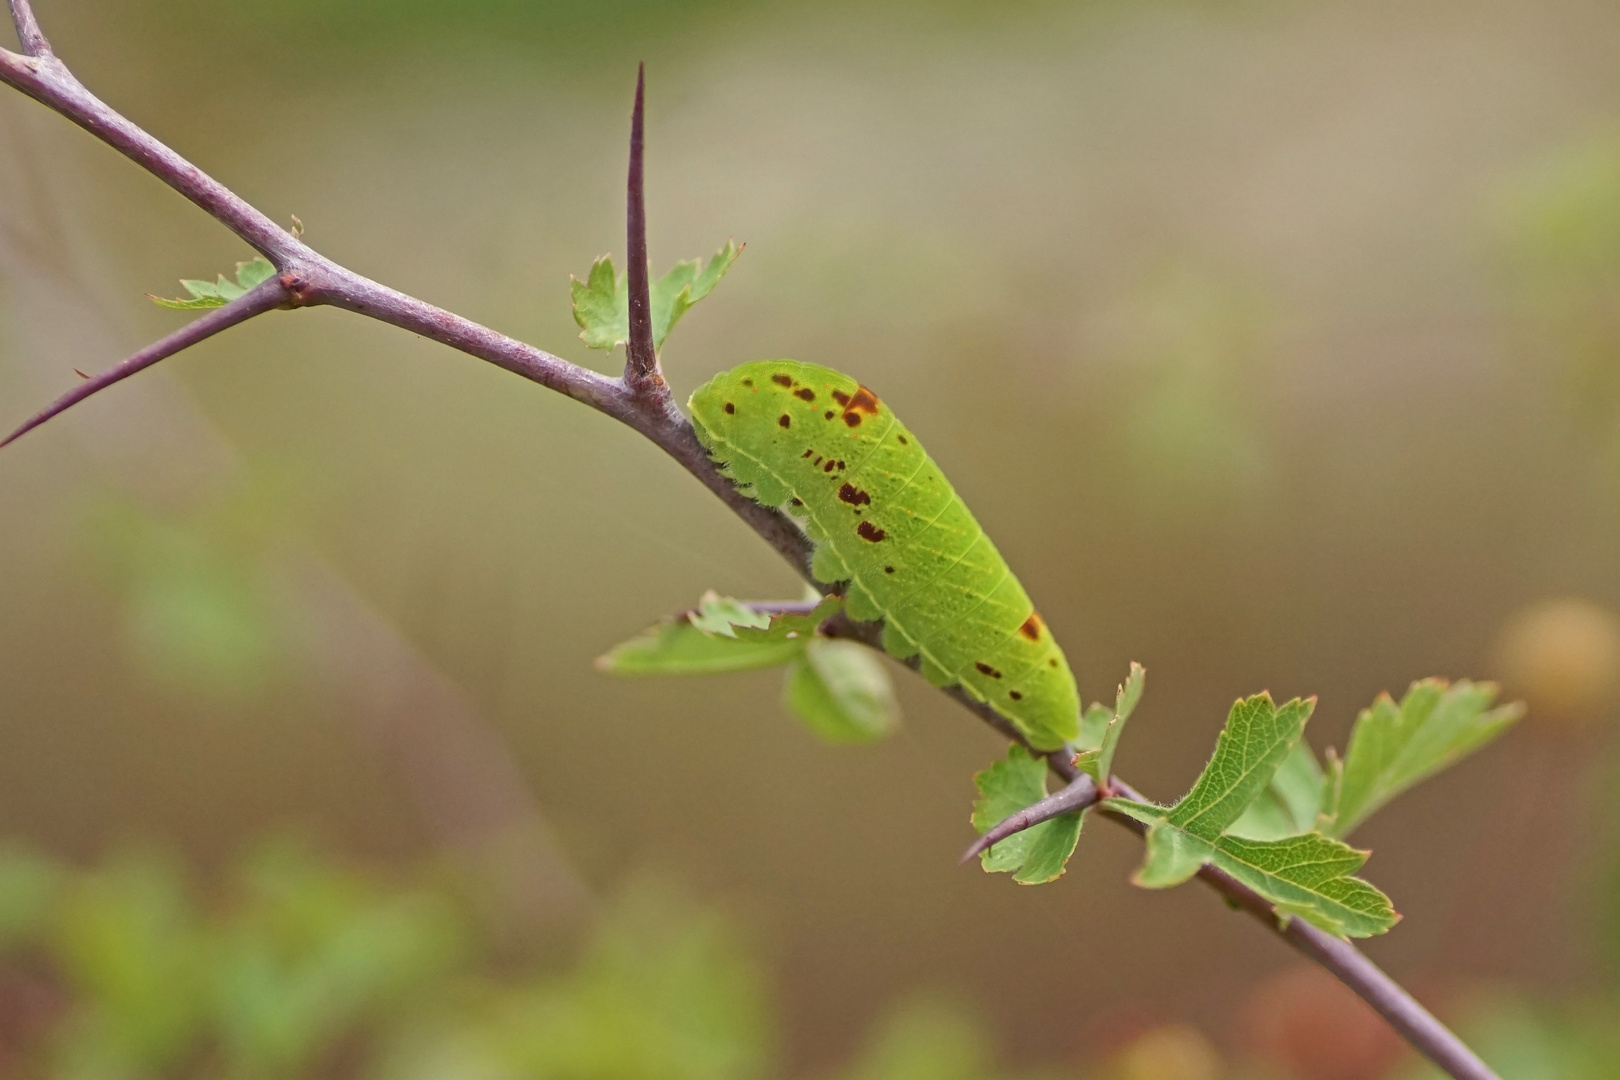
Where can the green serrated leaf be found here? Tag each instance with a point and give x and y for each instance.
(724, 615)
(1036, 855)
(1290, 804)
(1394, 746)
(674, 294)
(1257, 737)
(676, 647)
(842, 692)
(218, 293)
(601, 306)
(1100, 729)
(194, 304)
(727, 617)
(254, 272)
(1308, 876)
(602, 300)
(723, 634)
(1124, 704)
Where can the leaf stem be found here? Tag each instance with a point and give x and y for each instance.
(307, 278)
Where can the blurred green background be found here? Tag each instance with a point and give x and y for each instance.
(1277, 345)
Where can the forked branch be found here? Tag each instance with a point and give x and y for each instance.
(639, 399)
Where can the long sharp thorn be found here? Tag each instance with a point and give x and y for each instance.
(263, 297)
(1080, 793)
(641, 360)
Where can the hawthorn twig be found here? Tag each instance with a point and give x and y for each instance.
(640, 400)
(265, 296)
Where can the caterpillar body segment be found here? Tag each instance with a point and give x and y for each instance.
(886, 522)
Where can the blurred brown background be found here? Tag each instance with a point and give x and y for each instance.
(1258, 335)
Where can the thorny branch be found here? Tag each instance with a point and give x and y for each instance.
(641, 400)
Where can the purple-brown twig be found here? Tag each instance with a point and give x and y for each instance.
(640, 399)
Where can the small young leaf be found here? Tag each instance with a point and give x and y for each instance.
(601, 306)
(723, 615)
(1124, 704)
(1306, 876)
(732, 618)
(602, 300)
(218, 293)
(1093, 723)
(723, 634)
(1394, 746)
(674, 294)
(1291, 802)
(842, 692)
(676, 647)
(1038, 854)
(254, 272)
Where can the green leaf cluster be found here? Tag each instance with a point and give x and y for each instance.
(218, 293)
(840, 690)
(1263, 811)
(602, 300)
(1306, 875)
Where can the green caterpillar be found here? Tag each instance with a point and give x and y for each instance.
(824, 449)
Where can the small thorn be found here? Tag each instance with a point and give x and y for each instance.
(297, 227)
(80, 374)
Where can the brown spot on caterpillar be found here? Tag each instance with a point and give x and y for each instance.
(804, 393)
(785, 420)
(1031, 627)
(986, 669)
(829, 414)
(782, 380)
(853, 495)
(840, 466)
(903, 441)
(817, 461)
(730, 408)
(807, 453)
(748, 382)
(867, 531)
(864, 401)
(797, 501)
(1015, 695)
(829, 466)
(840, 397)
(888, 569)
(1051, 661)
